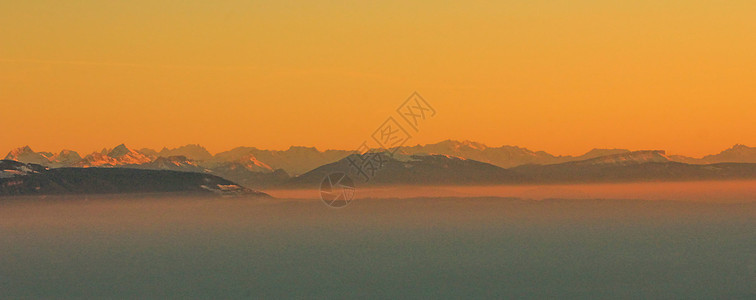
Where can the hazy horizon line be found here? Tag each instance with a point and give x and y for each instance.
(36, 150)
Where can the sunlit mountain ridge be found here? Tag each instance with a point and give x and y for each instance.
(298, 160)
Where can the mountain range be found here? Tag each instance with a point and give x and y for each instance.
(432, 169)
(298, 160)
(437, 169)
(446, 162)
(634, 166)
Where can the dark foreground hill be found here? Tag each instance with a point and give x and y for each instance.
(29, 179)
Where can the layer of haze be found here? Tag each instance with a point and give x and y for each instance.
(731, 191)
(561, 76)
(444, 248)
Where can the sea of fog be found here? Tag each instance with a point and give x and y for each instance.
(430, 248)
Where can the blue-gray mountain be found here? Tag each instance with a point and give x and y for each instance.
(443, 169)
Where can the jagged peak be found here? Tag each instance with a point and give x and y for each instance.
(24, 149)
(27, 155)
(119, 151)
(65, 153)
(193, 151)
(740, 147)
(737, 153)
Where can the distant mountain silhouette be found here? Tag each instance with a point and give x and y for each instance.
(118, 156)
(65, 158)
(623, 167)
(504, 156)
(298, 160)
(737, 153)
(256, 168)
(413, 170)
(192, 151)
(247, 161)
(248, 171)
(27, 155)
(295, 160)
(594, 153)
(634, 166)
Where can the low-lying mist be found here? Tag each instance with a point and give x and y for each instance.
(699, 191)
(470, 247)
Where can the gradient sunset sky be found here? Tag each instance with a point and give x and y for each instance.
(559, 76)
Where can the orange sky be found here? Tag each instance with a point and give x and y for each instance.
(560, 76)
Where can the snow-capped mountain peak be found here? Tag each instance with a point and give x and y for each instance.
(27, 155)
(119, 151)
(19, 151)
(65, 158)
(191, 151)
(118, 156)
(253, 164)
